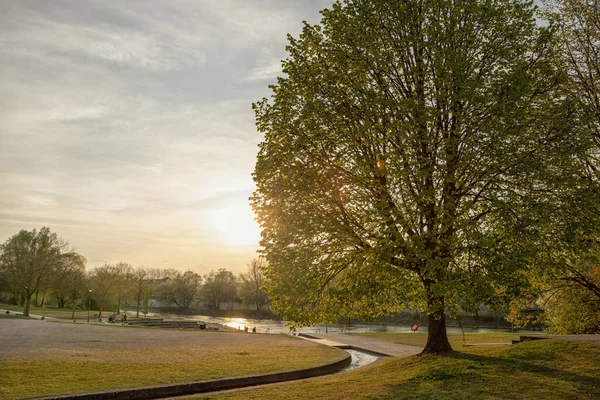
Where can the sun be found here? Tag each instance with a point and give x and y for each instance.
(234, 224)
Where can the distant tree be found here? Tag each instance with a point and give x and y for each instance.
(144, 304)
(103, 285)
(66, 282)
(30, 258)
(407, 159)
(124, 283)
(218, 287)
(141, 282)
(180, 288)
(250, 288)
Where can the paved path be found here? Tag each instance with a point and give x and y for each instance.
(377, 346)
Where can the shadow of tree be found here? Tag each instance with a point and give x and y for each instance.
(518, 373)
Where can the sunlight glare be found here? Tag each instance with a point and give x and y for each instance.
(235, 224)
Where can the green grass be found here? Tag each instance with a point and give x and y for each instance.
(545, 369)
(63, 313)
(456, 339)
(11, 316)
(23, 379)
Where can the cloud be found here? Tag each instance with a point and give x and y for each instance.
(124, 126)
(123, 46)
(268, 65)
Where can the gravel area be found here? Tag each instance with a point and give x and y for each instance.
(44, 340)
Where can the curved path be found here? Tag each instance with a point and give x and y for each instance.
(366, 344)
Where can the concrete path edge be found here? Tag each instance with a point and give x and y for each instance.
(182, 389)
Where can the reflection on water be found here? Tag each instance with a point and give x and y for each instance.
(237, 323)
(272, 326)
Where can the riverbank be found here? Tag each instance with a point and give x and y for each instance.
(273, 324)
(488, 319)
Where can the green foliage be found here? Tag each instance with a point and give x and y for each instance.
(30, 259)
(180, 289)
(250, 288)
(219, 287)
(572, 308)
(579, 22)
(145, 303)
(413, 155)
(67, 282)
(141, 283)
(568, 280)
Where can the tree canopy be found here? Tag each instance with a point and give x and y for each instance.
(219, 286)
(251, 283)
(29, 259)
(413, 154)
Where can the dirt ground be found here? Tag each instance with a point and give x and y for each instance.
(44, 340)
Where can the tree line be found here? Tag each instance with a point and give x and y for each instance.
(40, 267)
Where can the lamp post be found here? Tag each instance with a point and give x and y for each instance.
(89, 301)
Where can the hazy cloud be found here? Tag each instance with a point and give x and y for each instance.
(128, 129)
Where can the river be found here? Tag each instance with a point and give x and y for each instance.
(272, 326)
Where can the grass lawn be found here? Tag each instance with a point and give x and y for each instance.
(456, 339)
(64, 313)
(11, 316)
(545, 369)
(46, 359)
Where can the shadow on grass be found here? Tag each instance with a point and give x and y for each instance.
(536, 371)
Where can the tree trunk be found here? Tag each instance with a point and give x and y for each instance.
(437, 337)
(137, 306)
(26, 304)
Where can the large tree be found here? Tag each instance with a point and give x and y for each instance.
(406, 159)
(30, 258)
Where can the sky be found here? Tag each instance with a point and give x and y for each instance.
(127, 128)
